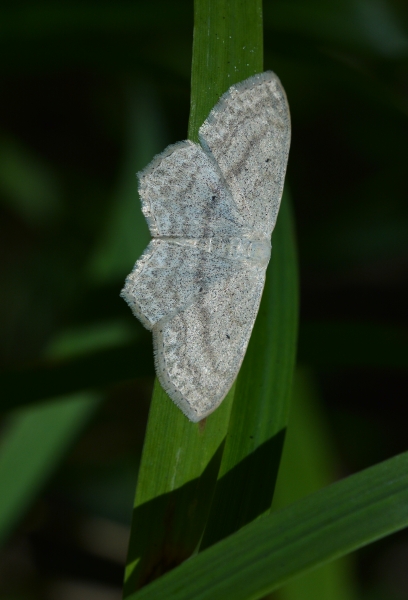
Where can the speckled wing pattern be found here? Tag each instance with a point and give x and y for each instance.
(211, 210)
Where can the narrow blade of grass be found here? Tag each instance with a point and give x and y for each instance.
(309, 463)
(260, 411)
(181, 460)
(227, 48)
(179, 467)
(275, 548)
(261, 402)
(33, 444)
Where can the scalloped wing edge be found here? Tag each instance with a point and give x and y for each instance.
(174, 392)
(247, 84)
(126, 293)
(141, 175)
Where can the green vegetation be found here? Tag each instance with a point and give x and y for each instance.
(251, 497)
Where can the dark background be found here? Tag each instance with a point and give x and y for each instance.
(89, 93)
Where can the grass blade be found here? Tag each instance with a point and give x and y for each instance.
(227, 48)
(275, 548)
(309, 463)
(179, 467)
(260, 411)
(261, 402)
(181, 460)
(32, 446)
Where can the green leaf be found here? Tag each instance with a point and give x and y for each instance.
(309, 463)
(33, 444)
(227, 48)
(275, 548)
(178, 470)
(181, 460)
(261, 401)
(260, 412)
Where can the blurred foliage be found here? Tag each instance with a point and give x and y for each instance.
(90, 92)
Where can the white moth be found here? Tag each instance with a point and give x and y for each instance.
(211, 210)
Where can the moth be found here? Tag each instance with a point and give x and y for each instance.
(211, 209)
